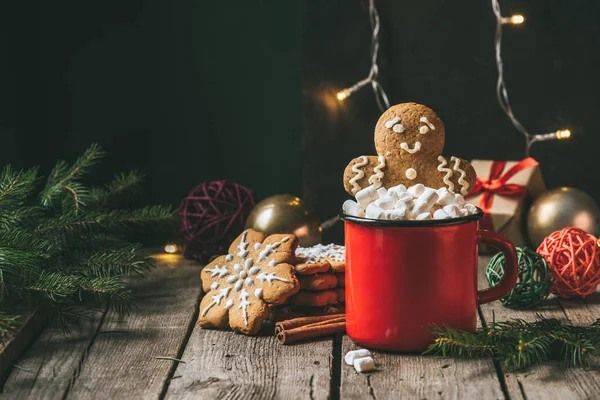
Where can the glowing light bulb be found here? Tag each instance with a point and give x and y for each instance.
(516, 19)
(562, 134)
(343, 94)
(171, 248)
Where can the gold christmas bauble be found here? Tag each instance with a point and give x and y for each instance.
(285, 213)
(565, 206)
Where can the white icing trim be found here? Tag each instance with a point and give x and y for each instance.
(426, 121)
(216, 300)
(442, 167)
(391, 122)
(243, 245)
(270, 247)
(217, 271)
(244, 304)
(320, 252)
(270, 277)
(464, 185)
(417, 147)
(358, 173)
(377, 176)
(398, 128)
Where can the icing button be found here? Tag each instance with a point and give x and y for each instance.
(411, 173)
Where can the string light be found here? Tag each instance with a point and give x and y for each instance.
(372, 79)
(171, 248)
(502, 91)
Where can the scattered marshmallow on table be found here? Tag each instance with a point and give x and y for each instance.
(360, 359)
(417, 202)
(354, 354)
(364, 364)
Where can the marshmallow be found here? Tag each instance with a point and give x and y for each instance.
(397, 190)
(386, 202)
(395, 214)
(373, 211)
(445, 197)
(354, 354)
(416, 190)
(351, 207)
(440, 214)
(471, 209)
(381, 192)
(452, 210)
(423, 216)
(459, 200)
(364, 364)
(365, 196)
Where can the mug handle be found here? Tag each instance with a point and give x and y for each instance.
(511, 269)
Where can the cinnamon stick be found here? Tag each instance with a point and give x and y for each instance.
(301, 321)
(310, 331)
(280, 327)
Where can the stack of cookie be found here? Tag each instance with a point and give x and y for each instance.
(320, 270)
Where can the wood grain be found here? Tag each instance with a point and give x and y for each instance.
(12, 348)
(225, 365)
(550, 381)
(48, 368)
(124, 359)
(420, 377)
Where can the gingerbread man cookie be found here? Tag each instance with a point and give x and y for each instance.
(240, 285)
(409, 139)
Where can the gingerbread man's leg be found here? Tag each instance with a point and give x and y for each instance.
(364, 171)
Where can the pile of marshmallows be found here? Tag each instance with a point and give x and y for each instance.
(418, 202)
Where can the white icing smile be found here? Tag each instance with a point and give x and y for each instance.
(404, 146)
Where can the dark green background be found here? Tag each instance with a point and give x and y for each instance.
(193, 90)
(183, 90)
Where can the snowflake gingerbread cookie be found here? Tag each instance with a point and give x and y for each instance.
(240, 285)
(409, 139)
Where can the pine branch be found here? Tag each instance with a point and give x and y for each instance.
(15, 187)
(65, 179)
(519, 344)
(119, 192)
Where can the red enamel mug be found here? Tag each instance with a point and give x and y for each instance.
(405, 277)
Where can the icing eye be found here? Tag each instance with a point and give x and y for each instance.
(398, 128)
(423, 129)
(391, 122)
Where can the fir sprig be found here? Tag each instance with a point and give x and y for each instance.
(519, 344)
(64, 245)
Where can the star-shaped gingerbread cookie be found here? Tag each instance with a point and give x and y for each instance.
(240, 285)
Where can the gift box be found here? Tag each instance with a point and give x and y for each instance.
(503, 190)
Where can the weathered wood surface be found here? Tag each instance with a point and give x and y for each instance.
(548, 381)
(10, 350)
(114, 356)
(413, 376)
(227, 365)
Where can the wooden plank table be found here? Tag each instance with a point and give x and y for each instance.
(159, 352)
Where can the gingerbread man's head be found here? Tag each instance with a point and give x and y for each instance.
(409, 139)
(409, 129)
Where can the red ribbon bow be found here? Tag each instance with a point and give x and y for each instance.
(497, 183)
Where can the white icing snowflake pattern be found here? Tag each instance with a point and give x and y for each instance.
(242, 276)
(320, 252)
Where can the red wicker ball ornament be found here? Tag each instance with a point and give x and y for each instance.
(212, 215)
(574, 257)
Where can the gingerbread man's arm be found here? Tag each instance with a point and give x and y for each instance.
(456, 174)
(362, 172)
